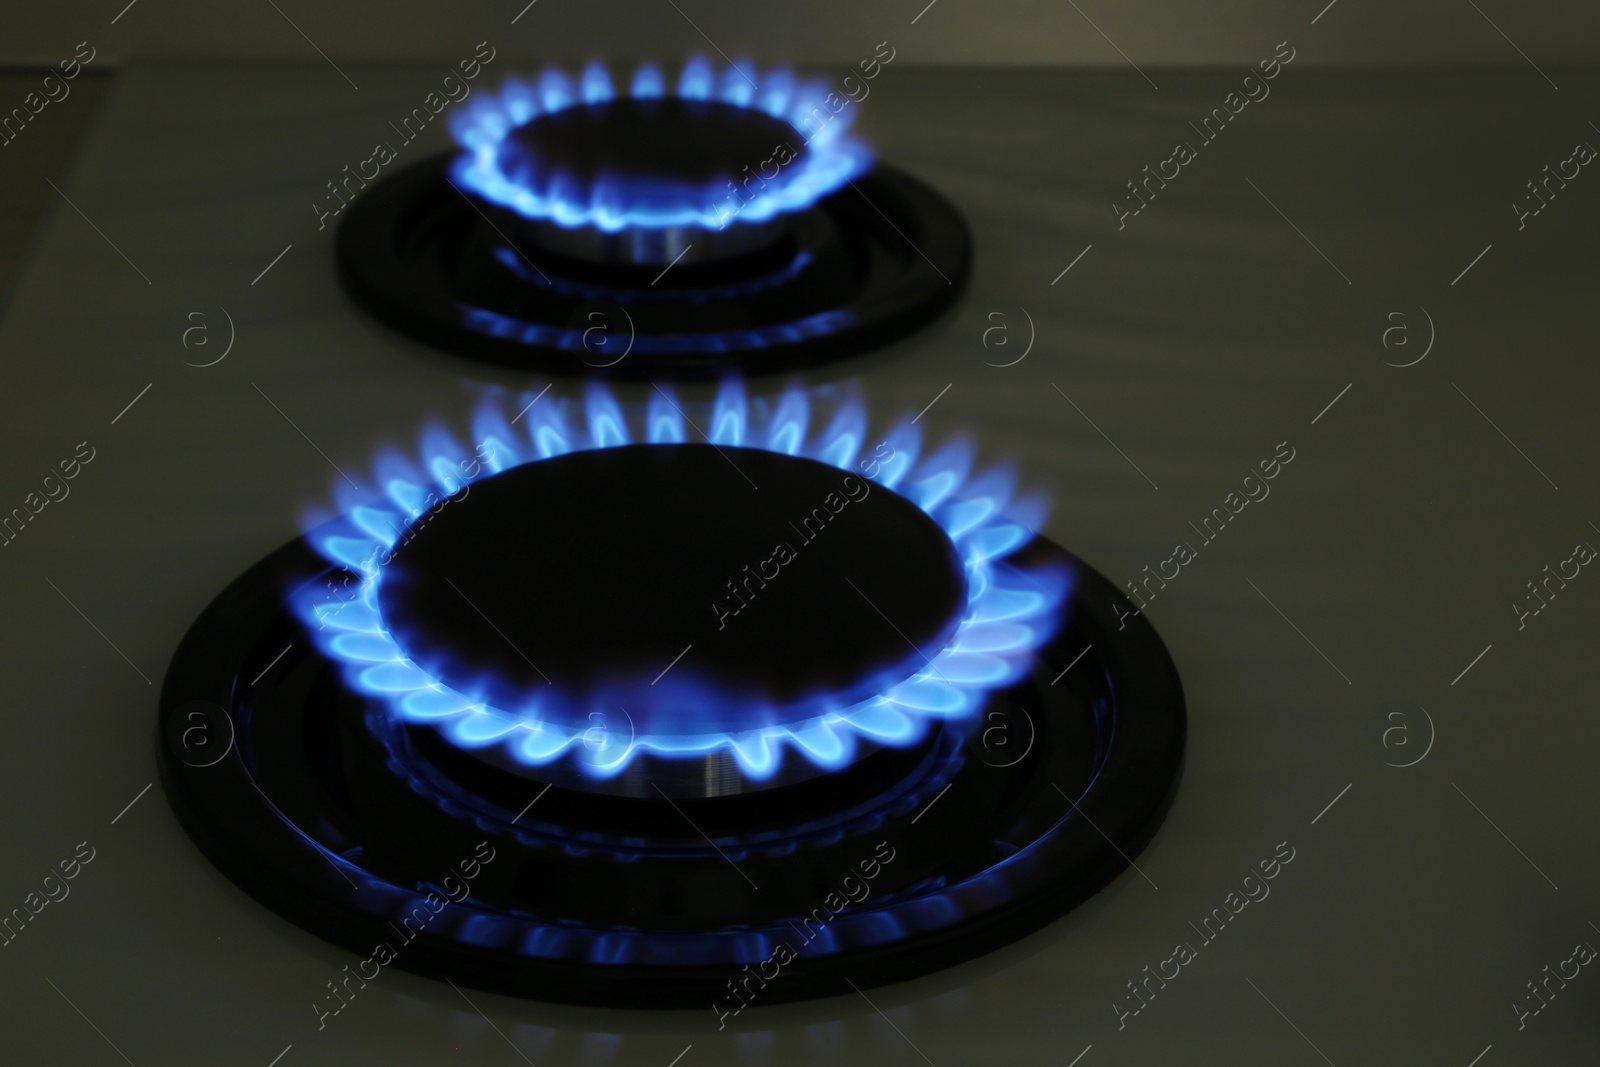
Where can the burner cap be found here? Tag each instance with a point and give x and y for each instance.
(630, 156)
(657, 152)
(699, 588)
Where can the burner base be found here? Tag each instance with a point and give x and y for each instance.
(358, 830)
(864, 267)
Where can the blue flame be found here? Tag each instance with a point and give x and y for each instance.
(831, 158)
(1010, 611)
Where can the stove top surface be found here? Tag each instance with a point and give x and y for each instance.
(1383, 764)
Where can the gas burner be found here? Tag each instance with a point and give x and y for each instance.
(724, 223)
(933, 542)
(683, 766)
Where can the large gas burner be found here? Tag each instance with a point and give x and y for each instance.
(779, 702)
(654, 230)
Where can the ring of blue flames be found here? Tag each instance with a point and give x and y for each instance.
(831, 157)
(1011, 610)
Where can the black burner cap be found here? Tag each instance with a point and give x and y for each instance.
(665, 147)
(696, 587)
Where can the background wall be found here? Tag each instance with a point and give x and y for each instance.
(1149, 32)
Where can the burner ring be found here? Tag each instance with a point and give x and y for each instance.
(305, 803)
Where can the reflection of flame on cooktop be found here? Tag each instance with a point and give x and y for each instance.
(683, 684)
(659, 227)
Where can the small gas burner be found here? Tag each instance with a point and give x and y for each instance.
(590, 712)
(722, 223)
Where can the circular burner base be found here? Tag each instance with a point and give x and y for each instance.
(379, 838)
(864, 267)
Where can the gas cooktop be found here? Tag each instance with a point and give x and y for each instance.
(1375, 747)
